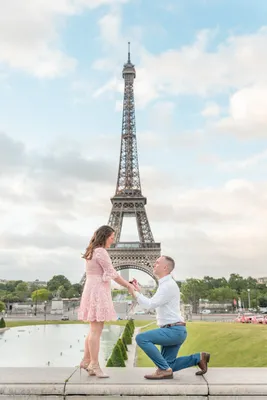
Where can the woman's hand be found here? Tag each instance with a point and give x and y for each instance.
(131, 289)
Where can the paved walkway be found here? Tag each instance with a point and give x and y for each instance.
(64, 383)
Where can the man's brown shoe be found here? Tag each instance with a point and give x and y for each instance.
(203, 363)
(161, 374)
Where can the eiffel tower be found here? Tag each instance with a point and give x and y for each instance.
(128, 200)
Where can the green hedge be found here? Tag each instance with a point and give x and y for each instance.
(124, 342)
(127, 336)
(123, 349)
(2, 323)
(130, 325)
(119, 352)
(116, 357)
(109, 363)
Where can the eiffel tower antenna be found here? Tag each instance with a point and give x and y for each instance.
(128, 200)
(129, 52)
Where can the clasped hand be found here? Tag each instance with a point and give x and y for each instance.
(133, 287)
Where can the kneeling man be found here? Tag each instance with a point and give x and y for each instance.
(172, 332)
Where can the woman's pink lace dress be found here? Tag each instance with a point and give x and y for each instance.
(96, 302)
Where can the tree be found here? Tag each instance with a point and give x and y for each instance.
(213, 283)
(237, 283)
(192, 290)
(2, 306)
(78, 288)
(73, 291)
(11, 285)
(40, 295)
(222, 294)
(10, 298)
(251, 283)
(57, 281)
(3, 293)
(252, 295)
(22, 291)
(263, 301)
(62, 292)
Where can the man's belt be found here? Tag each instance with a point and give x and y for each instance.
(174, 324)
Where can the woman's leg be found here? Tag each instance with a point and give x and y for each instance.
(94, 340)
(94, 344)
(86, 356)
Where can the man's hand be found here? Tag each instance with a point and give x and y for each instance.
(135, 285)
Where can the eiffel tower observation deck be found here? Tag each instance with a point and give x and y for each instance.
(128, 200)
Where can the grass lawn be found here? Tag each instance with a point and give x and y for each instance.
(230, 344)
(12, 324)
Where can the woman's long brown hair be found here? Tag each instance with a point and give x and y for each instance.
(98, 240)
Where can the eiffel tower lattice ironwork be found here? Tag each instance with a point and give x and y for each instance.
(128, 200)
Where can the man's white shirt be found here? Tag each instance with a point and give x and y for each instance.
(166, 301)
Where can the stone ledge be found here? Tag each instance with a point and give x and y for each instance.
(131, 382)
(63, 383)
(237, 381)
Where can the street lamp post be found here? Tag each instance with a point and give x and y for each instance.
(45, 304)
(249, 305)
(36, 298)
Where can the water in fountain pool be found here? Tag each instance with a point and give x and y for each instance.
(51, 345)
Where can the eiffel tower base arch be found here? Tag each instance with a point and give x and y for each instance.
(141, 259)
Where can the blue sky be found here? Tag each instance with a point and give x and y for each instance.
(201, 95)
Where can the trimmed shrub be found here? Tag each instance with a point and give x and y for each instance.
(129, 326)
(124, 342)
(2, 306)
(2, 323)
(109, 363)
(117, 357)
(123, 350)
(127, 335)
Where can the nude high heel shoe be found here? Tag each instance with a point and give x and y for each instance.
(97, 371)
(84, 364)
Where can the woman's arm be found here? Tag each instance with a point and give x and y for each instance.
(123, 282)
(109, 271)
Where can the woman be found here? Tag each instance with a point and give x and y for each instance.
(96, 304)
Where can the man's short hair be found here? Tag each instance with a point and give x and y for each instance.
(170, 262)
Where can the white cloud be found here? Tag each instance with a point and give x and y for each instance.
(247, 113)
(29, 39)
(160, 117)
(256, 160)
(236, 62)
(214, 231)
(109, 26)
(211, 110)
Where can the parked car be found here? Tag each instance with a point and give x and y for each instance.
(65, 318)
(205, 311)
